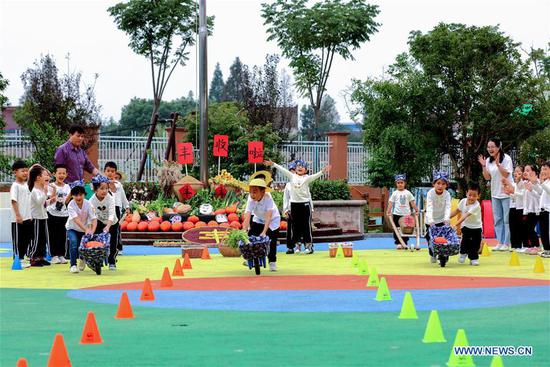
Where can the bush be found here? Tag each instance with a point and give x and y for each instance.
(141, 192)
(330, 190)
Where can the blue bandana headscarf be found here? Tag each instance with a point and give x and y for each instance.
(400, 177)
(441, 175)
(74, 184)
(300, 162)
(99, 179)
(292, 165)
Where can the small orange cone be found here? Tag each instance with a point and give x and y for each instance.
(205, 254)
(124, 308)
(90, 334)
(166, 281)
(147, 292)
(187, 262)
(58, 354)
(177, 272)
(22, 362)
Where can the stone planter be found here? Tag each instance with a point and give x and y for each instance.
(346, 214)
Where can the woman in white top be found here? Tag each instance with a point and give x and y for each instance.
(496, 167)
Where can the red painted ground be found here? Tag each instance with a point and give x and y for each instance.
(332, 282)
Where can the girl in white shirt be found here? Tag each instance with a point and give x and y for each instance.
(399, 205)
(57, 215)
(104, 205)
(470, 222)
(438, 206)
(531, 207)
(518, 228)
(38, 185)
(544, 218)
(300, 199)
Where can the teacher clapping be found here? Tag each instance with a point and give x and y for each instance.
(496, 167)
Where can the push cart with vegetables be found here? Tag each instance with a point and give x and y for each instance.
(95, 250)
(254, 251)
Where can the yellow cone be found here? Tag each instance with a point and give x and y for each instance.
(485, 250)
(363, 267)
(456, 360)
(340, 252)
(539, 266)
(373, 278)
(496, 362)
(514, 260)
(383, 292)
(408, 311)
(355, 260)
(434, 332)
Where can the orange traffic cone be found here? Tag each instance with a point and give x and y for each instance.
(22, 362)
(177, 272)
(187, 262)
(205, 254)
(90, 334)
(147, 292)
(124, 308)
(58, 354)
(166, 281)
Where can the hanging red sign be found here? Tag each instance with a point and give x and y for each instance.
(221, 145)
(255, 152)
(185, 153)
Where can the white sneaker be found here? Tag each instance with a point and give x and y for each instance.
(62, 260)
(545, 254)
(504, 248)
(55, 260)
(297, 250)
(462, 258)
(474, 262)
(25, 264)
(74, 269)
(120, 253)
(272, 266)
(112, 267)
(81, 264)
(521, 250)
(497, 247)
(433, 259)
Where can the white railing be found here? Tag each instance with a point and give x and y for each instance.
(315, 153)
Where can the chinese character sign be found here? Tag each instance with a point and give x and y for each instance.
(255, 152)
(185, 153)
(221, 145)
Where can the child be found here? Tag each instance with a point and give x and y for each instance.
(266, 220)
(57, 215)
(104, 205)
(300, 202)
(518, 230)
(82, 220)
(531, 208)
(438, 206)
(21, 227)
(470, 222)
(286, 213)
(544, 219)
(117, 190)
(399, 206)
(38, 185)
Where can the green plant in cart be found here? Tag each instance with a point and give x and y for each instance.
(235, 236)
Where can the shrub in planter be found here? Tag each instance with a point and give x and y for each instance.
(329, 190)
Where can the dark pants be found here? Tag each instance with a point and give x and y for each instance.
(428, 236)
(119, 236)
(256, 229)
(518, 232)
(114, 240)
(471, 242)
(532, 220)
(301, 223)
(21, 236)
(396, 221)
(545, 229)
(57, 235)
(74, 238)
(40, 245)
(289, 242)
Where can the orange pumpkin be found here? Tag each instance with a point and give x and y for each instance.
(235, 224)
(154, 226)
(231, 209)
(165, 226)
(132, 227)
(193, 219)
(177, 227)
(212, 223)
(123, 226)
(283, 225)
(219, 211)
(200, 224)
(225, 225)
(143, 226)
(232, 217)
(93, 244)
(188, 225)
(440, 240)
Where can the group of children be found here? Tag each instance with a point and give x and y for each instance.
(50, 219)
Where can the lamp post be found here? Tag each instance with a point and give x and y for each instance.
(203, 93)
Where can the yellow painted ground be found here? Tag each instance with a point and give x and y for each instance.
(137, 268)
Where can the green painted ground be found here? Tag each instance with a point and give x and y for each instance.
(167, 337)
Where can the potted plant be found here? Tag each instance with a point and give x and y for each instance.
(230, 247)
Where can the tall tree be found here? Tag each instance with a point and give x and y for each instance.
(217, 85)
(328, 122)
(311, 36)
(162, 31)
(235, 82)
(3, 99)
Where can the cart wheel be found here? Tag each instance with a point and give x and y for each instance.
(98, 269)
(443, 261)
(257, 266)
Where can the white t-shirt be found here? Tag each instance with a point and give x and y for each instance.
(259, 210)
(104, 209)
(299, 185)
(531, 199)
(38, 204)
(438, 207)
(474, 219)
(496, 177)
(401, 202)
(20, 193)
(59, 209)
(286, 198)
(545, 195)
(120, 196)
(86, 214)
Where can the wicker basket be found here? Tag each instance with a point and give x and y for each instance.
(195, 184)
(228, 251)
(194, 251)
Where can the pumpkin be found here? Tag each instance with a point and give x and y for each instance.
(193, 219)
(440, 240)
(136, 218)
(123, 226)
(200, 224)
(232, 217)
(154, 226)
(143, 226)
(132, 227)
(235, 225)
(212, 223)
(183, 208)
(188, 225)
(225, 225)
(168, 211)
(165, 226)
(177, 227)
(93, 244)
(219, 211)
(231, 209)
(283, 225)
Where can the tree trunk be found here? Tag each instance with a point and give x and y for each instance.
(317, 122)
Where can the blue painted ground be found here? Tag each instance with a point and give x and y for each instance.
(325, 300)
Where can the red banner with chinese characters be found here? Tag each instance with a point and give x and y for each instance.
(185, 153)
(221, 145)
(255, 152)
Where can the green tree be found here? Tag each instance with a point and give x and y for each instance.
(457, 87)
(161, 31)
(311, 36)
(217, 85)
(4, 159)
(328, 122)
(234, 85)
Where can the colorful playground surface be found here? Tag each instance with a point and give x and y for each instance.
(315, 311)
